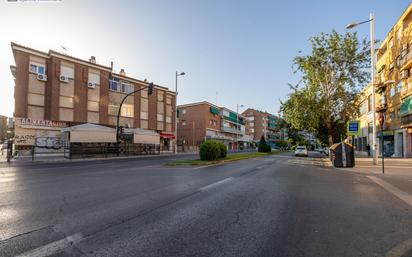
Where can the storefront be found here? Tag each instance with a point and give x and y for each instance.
(406, 120)
(166, 141)
(42, 135)
(388, 143)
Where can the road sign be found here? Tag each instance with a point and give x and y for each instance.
(353, 128)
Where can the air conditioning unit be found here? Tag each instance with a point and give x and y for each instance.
(64, 79)
(91, 85)
(404, 74)
(42, 77)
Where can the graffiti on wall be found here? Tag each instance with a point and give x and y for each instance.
(24, 139)
(49, 142)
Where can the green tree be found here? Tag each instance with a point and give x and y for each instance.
(331, 76)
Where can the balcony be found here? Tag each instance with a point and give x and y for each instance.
(406, 61)
(380, 87)
(381, 107)
(232, 130)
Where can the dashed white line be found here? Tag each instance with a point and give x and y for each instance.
(215, 184)
(54, 247)
(407, 198)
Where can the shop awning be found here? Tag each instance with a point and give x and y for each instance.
(406, 106)
(91, 133)
(167, 135)
(144, 136)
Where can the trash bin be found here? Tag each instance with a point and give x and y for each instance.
(342, 155)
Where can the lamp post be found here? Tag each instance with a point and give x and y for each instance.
(351, 25)
(177, 75)
(237, 123)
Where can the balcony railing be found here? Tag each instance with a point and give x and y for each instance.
(232, 130)
(406, 61)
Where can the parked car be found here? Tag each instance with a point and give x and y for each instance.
(301, 150)
(324, 150)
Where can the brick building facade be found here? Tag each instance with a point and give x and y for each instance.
(205, 121)
(55, 87)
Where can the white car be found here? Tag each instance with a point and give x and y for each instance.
(301, 151)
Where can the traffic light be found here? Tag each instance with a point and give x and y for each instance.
(150, 88)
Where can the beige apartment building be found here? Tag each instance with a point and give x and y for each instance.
(394, 87)
(55, 91)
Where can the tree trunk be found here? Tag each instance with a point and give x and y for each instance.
(330, 133)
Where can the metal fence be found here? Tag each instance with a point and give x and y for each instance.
(88, 150)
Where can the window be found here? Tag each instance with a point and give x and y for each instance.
(392, 116)
(392, 93)
(159, 117)
(168, 100)
(37, 68)
(112, 109)
(93, 106)
(127, 88)
(113, 85)
(399, 87)
(252, 124)
(211, 122)
(183, 123)
(160, 96)
(391, 43)
(67, 71)
(127, 110)
(398, 35)
(369, 103)
(65, 101)
(252, 130)
(143, 115)
(94, 78)
(183, 111)
(168, 119)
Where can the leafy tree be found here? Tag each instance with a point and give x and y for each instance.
(331, 77)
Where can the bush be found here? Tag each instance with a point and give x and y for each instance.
(223, 150)
(210, 151)
(263, 147)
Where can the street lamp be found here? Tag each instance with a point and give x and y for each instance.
(237, 123)
(177, 75)
(351, 25)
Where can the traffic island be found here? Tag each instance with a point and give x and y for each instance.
(228, 158)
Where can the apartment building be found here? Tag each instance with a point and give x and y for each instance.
(54, 91)
(263, 123)
(394, 86)
(203, 121)
(363, 141)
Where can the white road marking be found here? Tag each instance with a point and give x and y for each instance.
(407, 198)
(215, 184)
(54, 247)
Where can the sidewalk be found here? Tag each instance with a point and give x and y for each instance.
(393, 167)
(27, 160)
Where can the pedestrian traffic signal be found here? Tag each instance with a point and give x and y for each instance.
(150, 88)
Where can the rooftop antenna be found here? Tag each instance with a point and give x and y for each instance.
(64, 50)
(216, 97)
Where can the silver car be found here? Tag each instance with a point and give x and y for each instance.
(301, 151)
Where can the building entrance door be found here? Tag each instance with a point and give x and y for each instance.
(399, 145)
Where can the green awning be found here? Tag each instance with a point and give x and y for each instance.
(406, 106)
(214, 110)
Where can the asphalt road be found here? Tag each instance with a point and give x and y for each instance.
(270, 206)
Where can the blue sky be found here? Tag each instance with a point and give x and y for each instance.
(241, 49)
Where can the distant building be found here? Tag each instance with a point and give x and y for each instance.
(3, 127)
(260, 123)
(203, 121)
